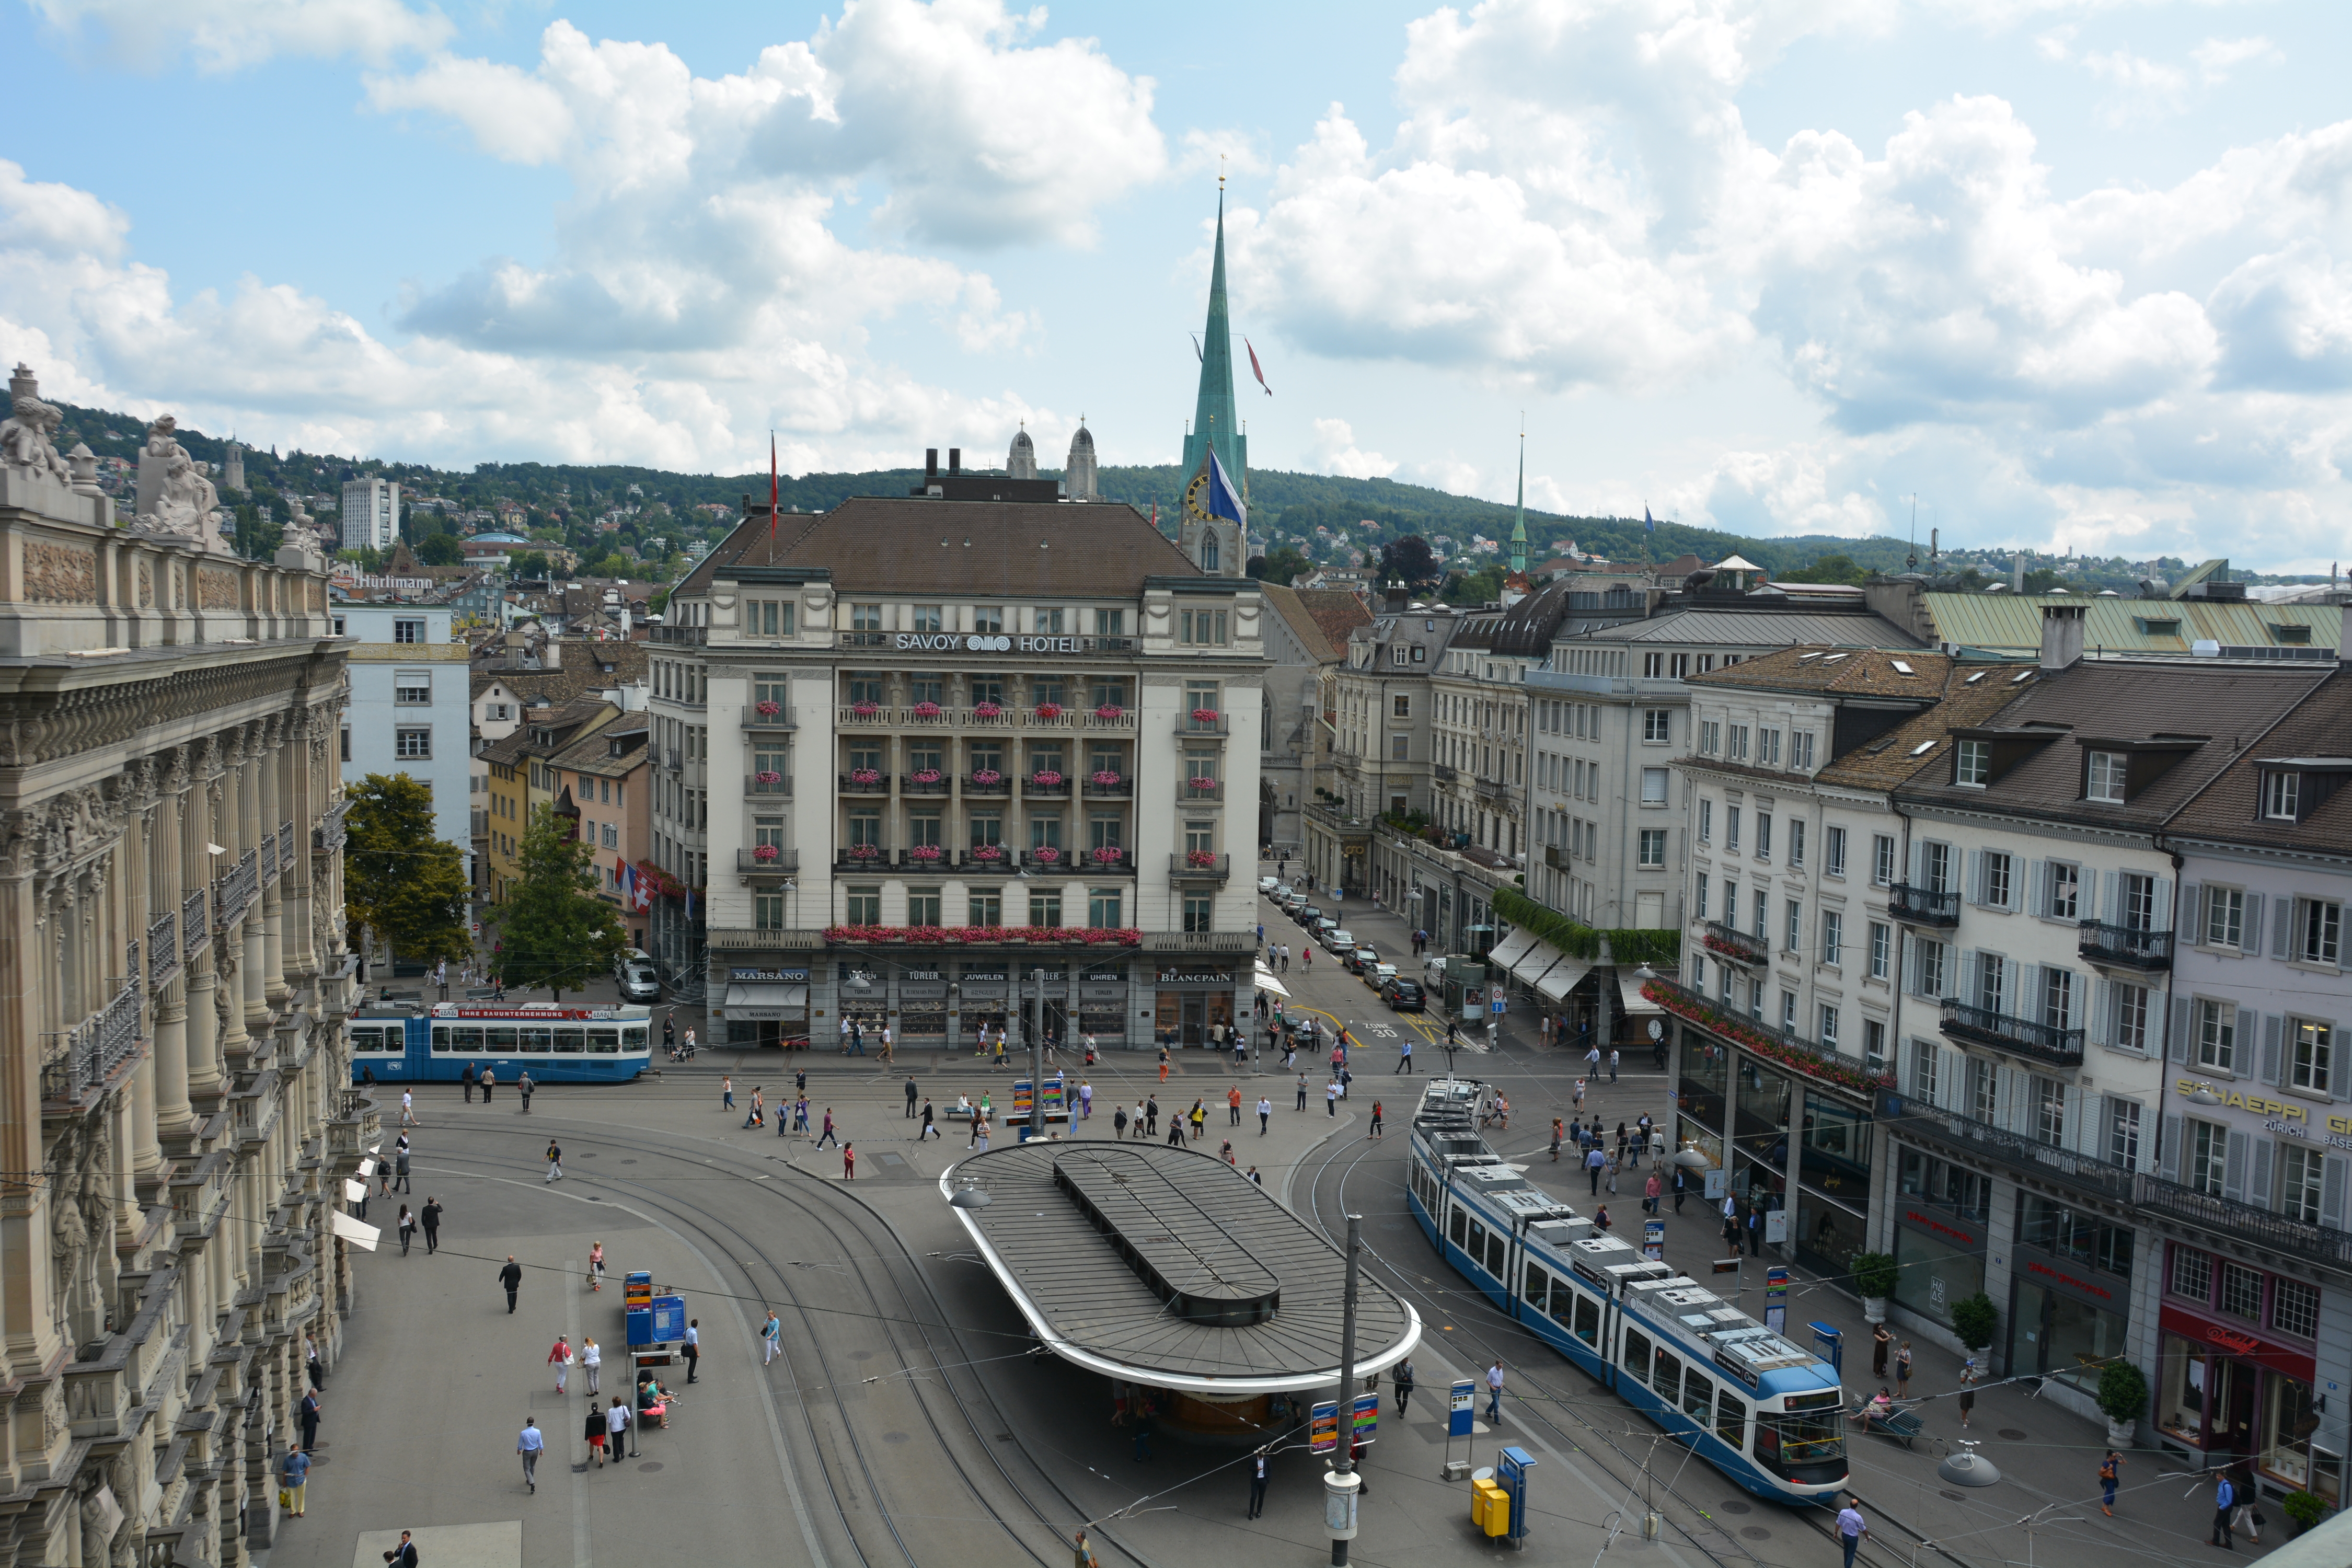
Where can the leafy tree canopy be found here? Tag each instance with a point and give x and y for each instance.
(440, 550)
(1282, 564)
(532, 563)
(1827, 569)
(552, 930)
(399, 881)
(1410, 561)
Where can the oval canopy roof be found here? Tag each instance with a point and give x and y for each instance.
(1165, 1267)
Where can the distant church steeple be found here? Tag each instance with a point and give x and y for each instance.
(1215, 421)
(1021, 463)
(1516, 584)
(1079, 473)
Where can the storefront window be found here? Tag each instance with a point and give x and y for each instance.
(2067, 1340)
(2294, 1308)
(1931, 1276)
(1761, 1129)
(2288, 1422)
(1828, 1235)
(2071, 1234)
(2181, 1390)
(1942, 1184)
(1705, 1079)
(2241, 1291)
(2192, 1274)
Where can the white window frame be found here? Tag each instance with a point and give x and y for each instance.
(2105, 777)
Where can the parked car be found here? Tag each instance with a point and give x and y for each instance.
(1433, 971)
(1359, 958)
(639, 981)
(1377, 975)
(1337, 939)
(1268, 884)
(1403, 995)
(1306, 915)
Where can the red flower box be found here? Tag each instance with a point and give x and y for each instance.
(1045, 778)
(927, 710)
(1046, 857)
(866, 709)
(1111, 710)
(1049, 710)
(768, 709)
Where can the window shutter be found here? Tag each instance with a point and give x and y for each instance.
(2081, 1118)
(2192, 911)
(1911, 964)
(1976, 875)
(2095, 1026)
(1967, 989)
(2258, 1175)
(2107, 881)
(2242, 1065)
(2233, 1169)
(2331, 1191)
(2037, 895)
(2274, 1029)
(2170, 1162)
(2029, 992)
(1918, 876)
(2250, 938)
(2162, 917)
(2178, 1043)
(2280, 916)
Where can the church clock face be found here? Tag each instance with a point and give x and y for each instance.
(1196, 496)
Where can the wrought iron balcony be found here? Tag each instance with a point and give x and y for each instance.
(780, 786)
(2125, 947)
(195, 925)
(1118, 788)
(878, 785)
(1202, 789)
(1195, 865)
(1445, 772)
(84, 1058)
(1035, 788)
(1104, 862)
(1050, 857)
(163, 950)
(2245, 1222)
(328, 836)
(1923, 906)
(872, 864)
(975, 859)
(2088, 1172)
(234, 890)
(781, 719)
(285, 847)
(1193, 723)
(1000, 784)
(908, 784)
(1731, 942)
(777, 862)
(2004, 1031)
(269, 859)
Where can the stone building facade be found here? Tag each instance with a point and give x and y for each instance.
(175, 1114)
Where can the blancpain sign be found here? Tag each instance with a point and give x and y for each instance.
(958, 642)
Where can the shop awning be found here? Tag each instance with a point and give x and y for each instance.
(1511, 948)
(1266, 982)
(773, 1003)
(1531, 965)
(1629, 991)
(357, 1232)
(1555, 987)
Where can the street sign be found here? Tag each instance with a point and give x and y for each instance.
(1323, 1427)
(1776, 1227)
(1368, 1417)
(1775, 1298)
(1653, 1240)
(1463, 1410)
(1498, 1004)
(1511, 1470)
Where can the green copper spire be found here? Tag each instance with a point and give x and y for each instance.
(1519, 527)
(1215, 415)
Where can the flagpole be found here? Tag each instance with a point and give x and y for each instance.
(771, 487)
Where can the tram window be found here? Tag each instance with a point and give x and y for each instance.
(1494, 1254)
(468, 1040)
(633, 1037)
(1588, 1318)
(537, 1038)
(571, 1041)
(363, 1039)
(603, 1042)
(1637, 1356)
(1477, 1248)
(441, 1038)
(1666, 1375)
(1538, 1289)
(499, 1039)
(1698, 1395)
(1731, 1418)
(1455, 1226)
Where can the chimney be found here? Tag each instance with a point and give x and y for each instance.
(1397, 598)
(551, 655)
(930, 465)
(2062, 635)
(2344, 639)
(955, 459)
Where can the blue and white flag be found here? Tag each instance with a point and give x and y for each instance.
(1223, 500)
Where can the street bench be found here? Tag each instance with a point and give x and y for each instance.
(1896, 1422)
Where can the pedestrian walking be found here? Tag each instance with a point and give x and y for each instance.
(407, 1228)
(523, 1086)
(467, 1078)
(1558, 1132)
(1651, 1191)
(726, 1092)
(431, 1215)
(595, 1432)
(1151, 1115)
(1082, 1555)
(1851, 1528)
(930, 1128)
(1375, 1132)
(771, 1338)
(1118, 1121)
(1679, 1189)
(1176, 1131)
(911, 1093)
(800, 1112)
(1405, 1056)
(511, 1277)
(1233, 1106)
(1402, 1380)
(1265, 1114)
(1163, 1064)
(1756, 1239)
(758, 1115)
(829, 1135)
(531, 1442)
(1087, 1090)
(1612, 1064)
(1601, 1220)
(2110, 1474)
(560, 1358)
(592, 1361)
(1495, 1392)
(693, 1348)
(307, 1414)
(2225, 1496)
(407, 1109)
(596, 1266)
(1577, 1102)
(1257, 1483)
(2248, 1514)
(554, 1161)
(1903, 1372)
(490, 1083)
(1968, 1391)
(980, 1130)
(1882, 1339)
(1593, 1160)
(1200, 1116)
(294, 1486)
(400, 1168)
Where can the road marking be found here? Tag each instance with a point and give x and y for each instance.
(580, 1534)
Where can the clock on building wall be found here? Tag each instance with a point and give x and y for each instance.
(1196, 496)
(1657, 1030)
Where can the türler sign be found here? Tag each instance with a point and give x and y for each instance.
(960, 642)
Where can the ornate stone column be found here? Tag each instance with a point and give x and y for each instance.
(207, 1023)
(254, 943)
(272, 776)
(167, 888)
(25, 1230)
(134, 858)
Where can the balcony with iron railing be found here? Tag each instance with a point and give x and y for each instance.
(769, 785)
(680, 637)
(757, 721)
(269, 859)
(1115, 787)
(1923, 906)
(1445, 772)
(83, 1058)
(1000, 784)
(1198, 866)
(987, 859)
(285, 847)
(1045, 786)
(2004, 1031)
(329, 835)
(1202, 789)
(867, 859)
(1201, 724)
(232, 891)
(1729, 941)
(864, 781)
(2245, 1222)
(1838, 1066)
(2125, 947)
(928, 781)
(1104, 862)
(195, 925)
(163, 950)
(768, 859)
(1050, 857)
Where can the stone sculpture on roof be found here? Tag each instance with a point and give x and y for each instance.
(27, 435)
(174, 496)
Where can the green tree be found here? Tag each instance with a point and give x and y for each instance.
(399, 881)
(366, 560)
(1477, 588)
(1827, 569)
(1410, 561)
(552, 930)
(532, 563)
(1284, 564)
(440, 550)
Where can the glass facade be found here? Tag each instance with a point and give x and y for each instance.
(1932, 1274)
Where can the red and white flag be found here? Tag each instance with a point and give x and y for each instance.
(1254, 369)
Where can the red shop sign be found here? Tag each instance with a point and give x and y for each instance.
(1938, 1227)
(2297, 1364)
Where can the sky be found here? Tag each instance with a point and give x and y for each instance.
(2057, 273)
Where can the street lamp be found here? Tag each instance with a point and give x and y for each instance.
(2203, 1095)
(1968, 1468)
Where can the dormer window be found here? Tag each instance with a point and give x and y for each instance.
(2106, 778)
(2280, 793)
(1973, 765)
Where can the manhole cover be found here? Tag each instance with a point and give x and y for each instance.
(628, 1162)
(893, 1436)
(1755, 1533)
(317, 1459)
(2012, 1433)
(861, 1355)
(650, 1466)
(1736, 1506)
(1951, 1497)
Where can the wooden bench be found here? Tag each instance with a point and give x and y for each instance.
(1899, 1423)
(958, 1112)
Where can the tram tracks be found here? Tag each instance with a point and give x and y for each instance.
(855, 1426)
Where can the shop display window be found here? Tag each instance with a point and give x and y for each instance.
(2062, 1338)
(1829, 1234)
(1942, 1184)
(2181, 1390)
(2294, 1308)
(2288, 1422)
(1931, 1276)
(2241, 1291)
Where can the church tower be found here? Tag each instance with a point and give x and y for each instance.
(1516, 584)
(1078, 474)
(1021, 463)
(1217, 545)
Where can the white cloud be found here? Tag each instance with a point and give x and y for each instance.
(230, 35)
(55, 220)
(2139, 90)
(512, 114)
(2217, 57)
(1336, 452)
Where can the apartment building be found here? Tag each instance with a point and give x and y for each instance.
(1380, 740)
(921, 756)
(1306, 638)
(522, 778)
(408, 711)
(180, 1118)
(370, 514)
(601, 784)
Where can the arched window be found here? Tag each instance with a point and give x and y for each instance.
(1209, 553)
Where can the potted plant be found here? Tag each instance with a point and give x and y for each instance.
(767, 709)
(1873, 1276)
(1974, 1320)
(1045, 855)
(1200, 857)
(1105, 778)
(1110, 711)
(987, 778)
(924, 852)
(924, 777)
(2123, 1395)
(765, 852)
(768, 778)
(866, 851)
(988, 852)
(1046, 778)
(865, 776)
(1049, 710)
(927, 710)
(1106, 857)
(2304, 1512)
(1206, 715)
(866, 709)
(986, 710)
(1203, 787)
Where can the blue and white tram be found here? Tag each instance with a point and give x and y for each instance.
(557, 1044)
(1765, 1413)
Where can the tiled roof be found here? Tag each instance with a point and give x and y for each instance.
(1914, 673)
(2318, 726)
(920, 544)
(1336, 610)
(1734, 625)
(2013, 623)
(592, 752)
(1288, 604)
(1890, 760)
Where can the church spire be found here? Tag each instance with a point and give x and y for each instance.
(1519, 527)
(1214, 418)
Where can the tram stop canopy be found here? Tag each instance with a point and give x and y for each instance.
(1165, 1267)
